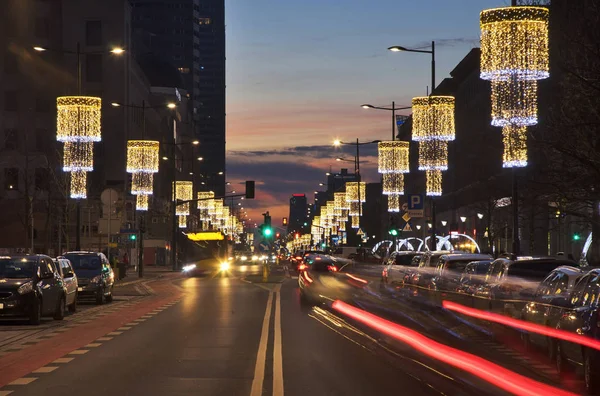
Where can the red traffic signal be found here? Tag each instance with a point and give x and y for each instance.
(297, 236)
(277, 235)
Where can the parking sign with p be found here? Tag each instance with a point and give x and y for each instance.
(415, 205)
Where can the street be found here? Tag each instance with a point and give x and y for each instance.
(221, 336)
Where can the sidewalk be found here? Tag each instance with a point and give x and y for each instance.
(150, 273)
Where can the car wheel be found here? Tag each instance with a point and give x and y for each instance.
(590, 369)
(35, 316)
(561, 364)
(109, 298)
(100, 296)
(73, 307)
(59, 314)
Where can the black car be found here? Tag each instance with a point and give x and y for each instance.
(94, 274)
(581, 318)
(31, 287)
(551, 299)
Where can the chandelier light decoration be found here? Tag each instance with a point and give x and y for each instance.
(393, 184)
(354, 193)
(514, 42)
(141, 202)
(393, 203)
(142, 163)
(78, 126)
(433, 182)
(355, 222)
(205, 200)
(514, 55)
(433, 118)
(184, 191)
(393, 160)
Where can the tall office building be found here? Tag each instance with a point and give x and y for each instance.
(191, 35)
(298, 212)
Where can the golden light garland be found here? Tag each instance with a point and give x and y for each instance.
(515, 146)
(433, 155)
(433, 183)
(355, 222)
(78, 119)
(393, 184)
(142, 156)
(78, 185)
(339, 199)
(355, 209)
(182, 221)
(141, 202)
(514, 102)
(142, 183)
(342, 225)
(433, 118)
(393, 203)
(393, 157)
(184, 191)
(514, 42)
(354, 194)
(205, 197)
(78, 156)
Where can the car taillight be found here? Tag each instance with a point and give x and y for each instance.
(302, 267)
(332, 268)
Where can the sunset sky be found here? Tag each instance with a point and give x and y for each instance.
(298, 71)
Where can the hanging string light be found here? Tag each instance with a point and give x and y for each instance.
(78, 156)
(78, 184)
(78, 119)
(355, 222)
(142, 156)
(182, 221)
(514, 102)
(514, 42)
(515, 146)
(141, 202)
(393, 157)
(393, 203)
(433, 118)
(184, 191)
(433, 155)
(433, 183)
(355, 209)
(142, 183)
(353, 194)
(393, 184)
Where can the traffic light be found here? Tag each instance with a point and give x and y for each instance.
(297, 236)
(277, 235)
(250, 189)
(267, 231)
(285, 221)
(132, 237)
(393, 232)
(576, 237)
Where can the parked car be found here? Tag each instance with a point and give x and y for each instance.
(95, 276)
(511, 283)
(549, 302)
(425, 271)
(31, 287)
(581, 318)
(450, 269)
(473, 277)
(397, 267)
(67, 273)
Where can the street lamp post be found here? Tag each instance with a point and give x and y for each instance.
(398, 48)
(393, 109)
(79, 53)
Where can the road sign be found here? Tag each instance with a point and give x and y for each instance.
(415, 205)
(406, 217)
(360, 232)
(407, 228)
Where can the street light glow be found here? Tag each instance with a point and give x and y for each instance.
(480, 215)
(463, 218)
(200, 159)
(339, 159)
(39, 49)
(367, 106)
(337, 142)
(171, 105)
(115, 104)
(327, 174)
(191, 173)
(165, 158)
(196, 142)
(220, 173)
(321, 184)
(444, 222)
(397, 48)
(117, 50)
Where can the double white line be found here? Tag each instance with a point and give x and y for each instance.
(261, 357)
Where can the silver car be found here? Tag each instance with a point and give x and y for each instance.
(67, 273)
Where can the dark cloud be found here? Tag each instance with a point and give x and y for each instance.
(322, 151)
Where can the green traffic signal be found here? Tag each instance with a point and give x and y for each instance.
(393, 232)
(132, 237)
(576, 237)
(267, 231)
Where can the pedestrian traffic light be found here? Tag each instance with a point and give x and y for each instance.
(393, 232)
(132, 237)
(576, 237)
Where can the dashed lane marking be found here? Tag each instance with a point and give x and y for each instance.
(124, 328)
(23, 381)
(114, 333)
(140, 320)
(132, 324)
(93, 345)
(79, 352)
(46, 369)
(63, 360)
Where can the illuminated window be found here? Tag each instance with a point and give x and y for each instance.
(204, 21)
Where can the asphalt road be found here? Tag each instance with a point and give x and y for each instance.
(224, 336)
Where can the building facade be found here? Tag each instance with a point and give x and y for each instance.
(298, 213)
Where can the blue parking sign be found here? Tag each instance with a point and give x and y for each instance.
(415, 201)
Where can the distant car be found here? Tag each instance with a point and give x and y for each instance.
(95, 276)
(397, 266)
(30, 287)
(312, 277)
(67, 273)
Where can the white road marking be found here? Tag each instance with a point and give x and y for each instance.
(114, 333)
(63, 360)
(277, 353)
(47, 369)
(104, 339)
(140, 320)
(93, 345)
(261, 356)
(124, 328)
(79, 352)
(23, 381)
(132, 324)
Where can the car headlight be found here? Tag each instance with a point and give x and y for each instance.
(254, 258)
(225, 266)
(188, 267)
(244, 258)
(96, 279)
(25, 288)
